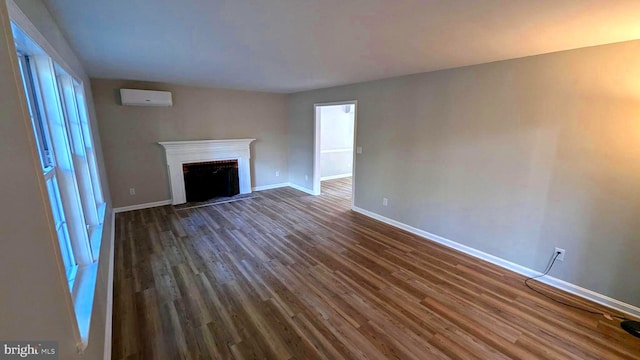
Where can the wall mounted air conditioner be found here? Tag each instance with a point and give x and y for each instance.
(145, 97)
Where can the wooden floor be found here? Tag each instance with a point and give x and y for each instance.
(287, 275)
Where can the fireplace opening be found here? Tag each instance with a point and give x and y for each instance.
(211, 179)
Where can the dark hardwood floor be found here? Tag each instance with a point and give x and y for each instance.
(287, 275)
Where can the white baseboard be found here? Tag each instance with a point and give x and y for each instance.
(268, 187)
(332, 177)
(108, 328)
(142, 206)
(549, 280)
(303, 189)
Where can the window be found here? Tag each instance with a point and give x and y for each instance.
(49, 167)
(74, 111)
(58, 111)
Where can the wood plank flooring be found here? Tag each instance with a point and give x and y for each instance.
(287, 275)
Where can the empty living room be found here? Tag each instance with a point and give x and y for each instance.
(286, 179)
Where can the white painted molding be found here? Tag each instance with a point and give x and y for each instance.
(268, 187)
(333, 177)
(108, 328)
(141, 206)
(303, 189)
(336, 150)
(23, 22)
(316, 187)
(549, 280)
(184, 152)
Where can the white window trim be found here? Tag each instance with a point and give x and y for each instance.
(19, 18)
(78, 149)
(67, 172)
(85, 124)
(81, 298)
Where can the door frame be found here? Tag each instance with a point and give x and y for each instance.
(316, 145)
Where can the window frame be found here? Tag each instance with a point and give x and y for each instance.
(54, 109)
(81, 154)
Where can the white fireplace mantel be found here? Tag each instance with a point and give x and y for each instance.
(187, 152)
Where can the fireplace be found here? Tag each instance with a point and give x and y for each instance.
(207, 180)
(180, 153)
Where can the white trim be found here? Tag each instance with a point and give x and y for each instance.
(17, 17)
(300, 188)
(339, 176)
(23, 22)
(268, 187)
(317, 143)
(142, 206)
(84, 291)
(549, 280)
(331, 103)
(355, 153)
(335, 150)
(108, 327)
(316, 187)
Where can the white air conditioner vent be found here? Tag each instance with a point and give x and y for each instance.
(136, 97)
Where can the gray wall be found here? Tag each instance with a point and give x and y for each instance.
(130, 134)
(35, 304)
(512, 158)
(336, 140)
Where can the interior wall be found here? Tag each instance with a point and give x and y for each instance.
(336, 140)
(512, 158)
(35, 304)
(130, 134)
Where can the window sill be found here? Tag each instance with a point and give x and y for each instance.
(95, 236)
(84, 286)
(83, 294)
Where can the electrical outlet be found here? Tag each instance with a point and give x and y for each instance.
(306, 178)
(359, 150)
(560, 253)
(277, 173)
(132, 191)
(385, 201)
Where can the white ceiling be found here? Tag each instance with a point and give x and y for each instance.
(294, 45)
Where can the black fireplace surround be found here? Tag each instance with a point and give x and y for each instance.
(207, 180)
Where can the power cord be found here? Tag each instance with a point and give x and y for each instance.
(547, 270)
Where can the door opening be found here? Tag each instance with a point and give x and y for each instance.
(334, 160)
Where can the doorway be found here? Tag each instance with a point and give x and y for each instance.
(334, 147)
